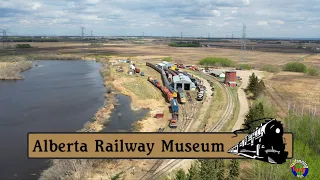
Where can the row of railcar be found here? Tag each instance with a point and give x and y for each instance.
(164, 89)
(169, 93)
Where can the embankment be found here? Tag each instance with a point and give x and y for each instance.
(11, 67)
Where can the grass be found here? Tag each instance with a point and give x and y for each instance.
(313, 71)
(168, 59)
(245, 66)
(53, 56)
(216, 61)
(270, 68)
(11, 67)
(229, 125)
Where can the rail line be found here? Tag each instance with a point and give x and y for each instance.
(214, 128)
(186, 120)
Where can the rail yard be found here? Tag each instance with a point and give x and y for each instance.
(185, 94)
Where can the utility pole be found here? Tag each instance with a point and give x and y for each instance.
(243, 47)
(232, 37)
(82, 31)
(208, 35)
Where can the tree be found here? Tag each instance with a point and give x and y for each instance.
(220, 169)
(208, 169)
(234, 169)
(180, 175)
(256, 112)
(194, 172)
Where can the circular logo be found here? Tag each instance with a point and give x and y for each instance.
(299, 168)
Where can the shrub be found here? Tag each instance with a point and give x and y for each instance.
(270, 68)
(23, 46)
(245, 66)
(215, 61)
(168, 59)
(295, 67)
(313, 71)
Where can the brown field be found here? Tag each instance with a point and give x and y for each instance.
(183, 55)
(301, 91)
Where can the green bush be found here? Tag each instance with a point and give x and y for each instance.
(216, 61)
(23, 46)
(295, 67)
(183, 44)
(168, 59)
(270, 68)
(245, 66)
(313, 71)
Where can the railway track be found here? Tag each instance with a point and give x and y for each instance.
(214, 128)
(188, 111)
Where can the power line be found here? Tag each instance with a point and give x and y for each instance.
(82, 31)
(243, 47)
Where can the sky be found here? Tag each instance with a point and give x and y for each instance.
(220, 18)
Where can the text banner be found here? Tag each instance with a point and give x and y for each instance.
(140, 145)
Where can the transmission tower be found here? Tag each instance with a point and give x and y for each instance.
(82, 31)
(91, 33)
(181, 35)
(4, 36)
(243, 47)
(208, 35)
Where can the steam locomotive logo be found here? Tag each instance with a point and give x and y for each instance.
(266, 143)
(299, 168)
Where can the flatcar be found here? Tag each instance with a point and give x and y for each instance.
(265, 143)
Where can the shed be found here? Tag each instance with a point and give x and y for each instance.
(159, 115)
(231, 76)
(232, 84)
(217, 73)
(164, 65)
(181, 81)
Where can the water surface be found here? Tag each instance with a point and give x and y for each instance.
(56, 96)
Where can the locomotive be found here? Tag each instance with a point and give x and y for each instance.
(265, 143)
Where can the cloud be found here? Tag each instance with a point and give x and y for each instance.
(246, 2)
(276, 22)
(262, 23)
(162, 17)
(216, 13)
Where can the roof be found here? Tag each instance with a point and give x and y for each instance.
(161, 64)
(231, 71)
(180, 77)
(216, 72)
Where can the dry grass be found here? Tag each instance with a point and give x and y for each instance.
(301, 90)
(11, 70)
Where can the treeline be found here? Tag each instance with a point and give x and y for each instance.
(216, 61)
(32, 40)
(213, 169)
(23, 46)
(255, 86)
(185, 44)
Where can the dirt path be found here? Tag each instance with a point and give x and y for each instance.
(244, 106)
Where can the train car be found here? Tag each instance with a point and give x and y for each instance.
(174, 121)
(167, 93)
(174, 106)
(181, 96)
(265, 143)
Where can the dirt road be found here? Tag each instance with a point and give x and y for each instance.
(244, 106)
